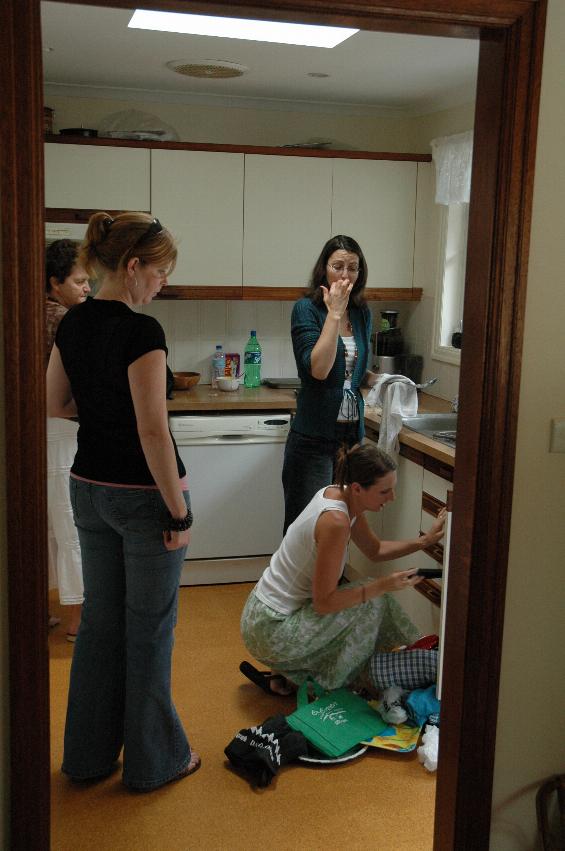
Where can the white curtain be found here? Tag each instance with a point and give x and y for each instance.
(453, 158)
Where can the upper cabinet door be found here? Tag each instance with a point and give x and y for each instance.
(374, 201)
(199, 196)
(96, 177)
(287, 218)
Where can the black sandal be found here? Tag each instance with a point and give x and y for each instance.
(263, 679)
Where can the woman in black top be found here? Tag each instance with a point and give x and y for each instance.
(131, 507)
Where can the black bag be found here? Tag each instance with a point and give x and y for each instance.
(258, 752)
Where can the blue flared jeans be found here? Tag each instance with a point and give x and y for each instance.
(120, 686)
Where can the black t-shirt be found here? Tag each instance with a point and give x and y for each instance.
(98, 340)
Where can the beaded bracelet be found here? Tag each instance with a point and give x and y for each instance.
(175, 524)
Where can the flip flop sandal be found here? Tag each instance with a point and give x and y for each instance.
(263, 679)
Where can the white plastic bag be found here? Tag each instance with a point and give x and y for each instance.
(428, 750)
(135, 124)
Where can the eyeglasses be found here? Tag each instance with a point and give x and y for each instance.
(339, 268)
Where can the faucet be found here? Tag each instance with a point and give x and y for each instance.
(426, 384)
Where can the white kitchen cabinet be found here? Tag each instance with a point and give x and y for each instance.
(436, 486)
(374, 201)
(198, 195)
(97, 177)
(402, 520)
(287, 218)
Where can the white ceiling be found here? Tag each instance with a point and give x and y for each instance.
(90, 49)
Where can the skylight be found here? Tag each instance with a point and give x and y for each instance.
(281, 33)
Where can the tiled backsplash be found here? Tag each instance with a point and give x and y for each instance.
(194, 328)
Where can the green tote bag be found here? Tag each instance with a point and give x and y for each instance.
(336, 721)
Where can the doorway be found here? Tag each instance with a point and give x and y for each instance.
(505, 129)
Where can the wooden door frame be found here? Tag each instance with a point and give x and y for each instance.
(505, 132)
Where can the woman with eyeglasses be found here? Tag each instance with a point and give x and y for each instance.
(331, 328)
(131, 506)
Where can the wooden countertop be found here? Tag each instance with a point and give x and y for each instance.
(426, 405)
(204, 397)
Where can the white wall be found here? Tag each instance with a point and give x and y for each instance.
(239, 126)
(193, 329)
(529, 741)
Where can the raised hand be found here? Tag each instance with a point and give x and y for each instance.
(336, 297)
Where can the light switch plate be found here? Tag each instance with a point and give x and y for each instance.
(557, 435)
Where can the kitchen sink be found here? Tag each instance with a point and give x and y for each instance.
(442, 427)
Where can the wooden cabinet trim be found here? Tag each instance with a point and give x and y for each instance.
(241, 149)
(444, 471)
(430, 590)
(192, 293)
(412, 454)
(195, 293)
(435, 551)
(78, 216)
(431, 505)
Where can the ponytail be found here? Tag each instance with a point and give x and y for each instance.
(363, 463)
(110, 243)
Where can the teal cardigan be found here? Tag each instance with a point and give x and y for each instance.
(319, 401)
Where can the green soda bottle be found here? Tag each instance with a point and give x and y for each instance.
(252, 361)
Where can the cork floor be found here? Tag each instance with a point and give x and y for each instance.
(381, 801)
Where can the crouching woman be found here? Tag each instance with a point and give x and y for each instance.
(299, 620)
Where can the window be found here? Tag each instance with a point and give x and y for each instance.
(453, 158)
(451, 280)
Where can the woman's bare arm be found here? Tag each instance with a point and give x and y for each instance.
(60, 402)
(147, 380)
(377, 550)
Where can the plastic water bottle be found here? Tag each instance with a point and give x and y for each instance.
(218, 365)
(252, 361)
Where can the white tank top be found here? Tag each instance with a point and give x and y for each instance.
(286, 583)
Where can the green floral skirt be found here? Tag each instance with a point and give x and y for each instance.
(332, 648)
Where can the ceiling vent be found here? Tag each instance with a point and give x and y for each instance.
(210, 69)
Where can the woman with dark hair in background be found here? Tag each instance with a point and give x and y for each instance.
(301, 622)
(331, 328)
(132, 509)
(66, 284)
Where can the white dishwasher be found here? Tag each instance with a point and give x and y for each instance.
(234, 465)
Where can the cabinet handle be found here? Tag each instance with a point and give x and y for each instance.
(430, 590)
(431, 505)
(435, 551)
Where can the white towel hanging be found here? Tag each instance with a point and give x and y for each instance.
(397, 397)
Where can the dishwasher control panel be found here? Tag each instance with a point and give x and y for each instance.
(255, 426)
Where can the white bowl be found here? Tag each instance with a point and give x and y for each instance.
(227, 383)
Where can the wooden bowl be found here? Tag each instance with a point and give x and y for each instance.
(185, 380)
